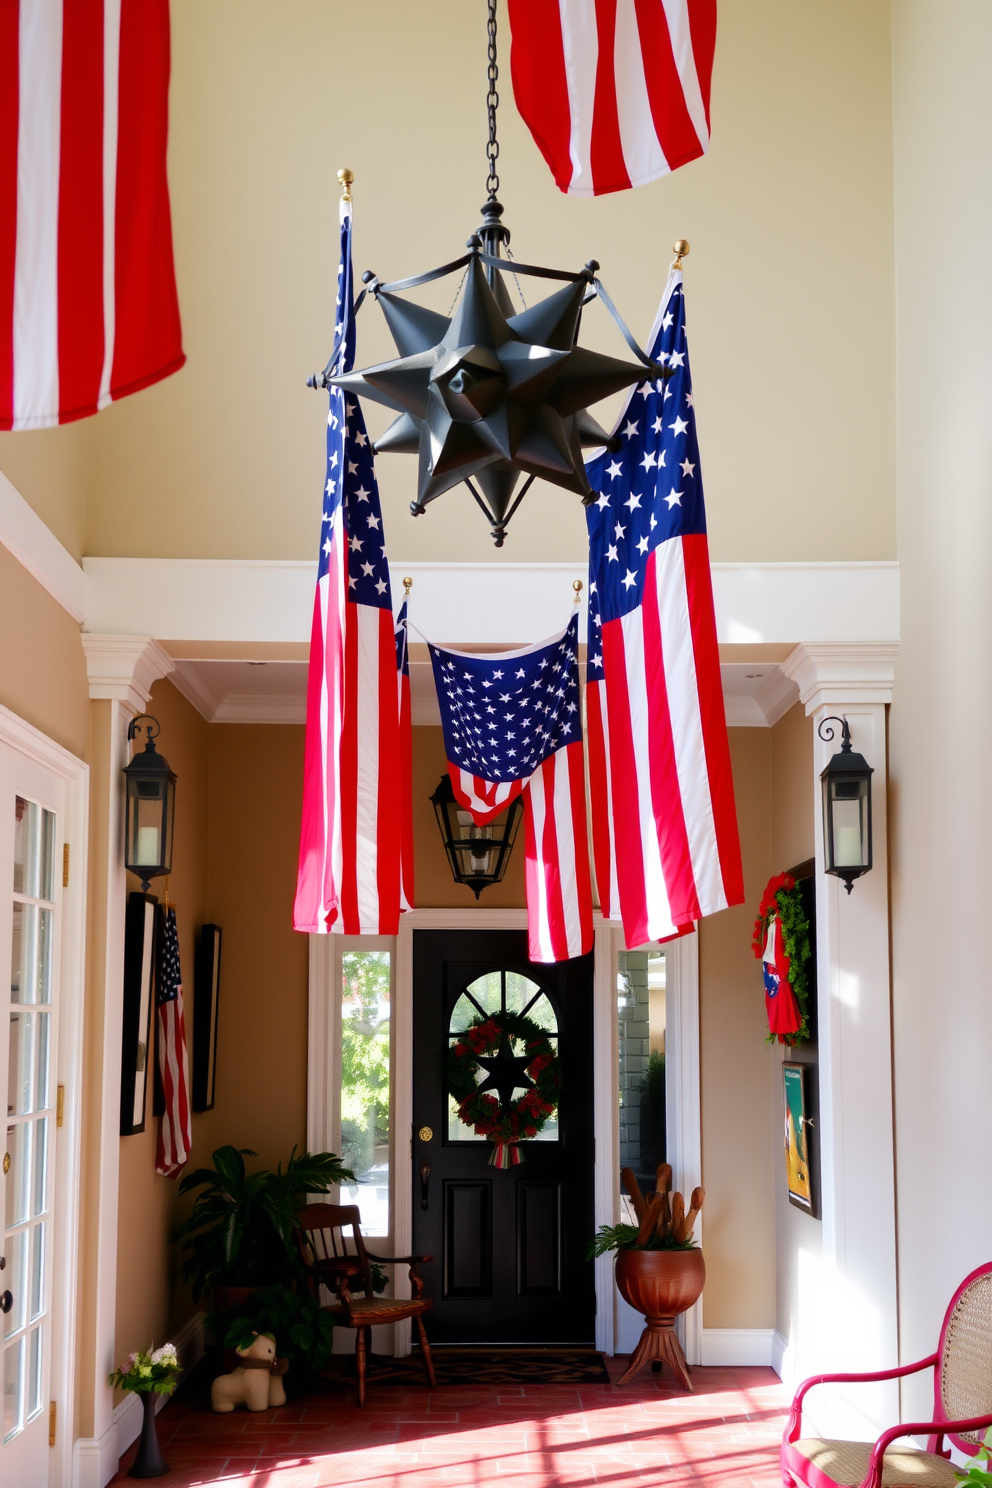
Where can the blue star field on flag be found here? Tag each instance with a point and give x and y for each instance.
(350, 467)
(650, 491)
(170, 978)
(504, 714)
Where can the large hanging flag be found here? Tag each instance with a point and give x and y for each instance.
(615, 92)
(175, 1133)
(350, 835)
(666, 785)
(88, 307)
(512, 726)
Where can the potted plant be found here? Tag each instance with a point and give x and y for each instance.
(148, 1374)
(239, 1235)
(660, 1270)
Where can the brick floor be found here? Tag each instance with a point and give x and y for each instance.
(540, 1436)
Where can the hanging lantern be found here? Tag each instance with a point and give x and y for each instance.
(150, 807)
(846, 784)
(477, 855)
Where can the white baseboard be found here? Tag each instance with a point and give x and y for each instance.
(729, 1346)
(95, 1459)
(781, 1357)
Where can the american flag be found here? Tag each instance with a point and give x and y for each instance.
(88, 306)
(664, 820)
(175, 1135)
(512, 725)
(615, 92)
(349, 872)
(405, 779)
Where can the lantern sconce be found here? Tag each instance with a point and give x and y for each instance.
(477, 856)
(150, 806)
(846, 784)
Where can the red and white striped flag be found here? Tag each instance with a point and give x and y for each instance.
(664, 819)
(350, 834)
(405, 778)
(175, 1133)
(512, 726)
(615, 92)
(88, 307)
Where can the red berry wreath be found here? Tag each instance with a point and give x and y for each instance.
(504, 1125)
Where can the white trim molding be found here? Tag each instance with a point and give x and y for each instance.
(845, 1306)
(255, 600)
(36, 548)
(726, 1347)
(123, 668)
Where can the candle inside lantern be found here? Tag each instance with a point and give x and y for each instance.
(147, 845)
(847, 847)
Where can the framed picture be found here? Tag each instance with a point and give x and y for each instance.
(140, 940)
(801, 1166)
(205, 1017)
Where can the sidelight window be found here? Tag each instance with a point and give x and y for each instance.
(506, 992)
(365, 1025)
(641, 1021)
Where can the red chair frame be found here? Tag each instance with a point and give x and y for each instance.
(796, 1468)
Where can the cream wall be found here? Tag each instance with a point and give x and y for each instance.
(941, 714)
(42, 666)
(789, 281)
(48, 468)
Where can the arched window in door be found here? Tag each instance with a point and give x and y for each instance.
(495, 992)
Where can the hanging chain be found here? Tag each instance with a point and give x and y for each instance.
(492, 104)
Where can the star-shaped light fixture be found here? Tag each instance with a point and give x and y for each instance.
(490, 393)
(507, 1072)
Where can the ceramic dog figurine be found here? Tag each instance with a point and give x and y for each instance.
(257, 1381)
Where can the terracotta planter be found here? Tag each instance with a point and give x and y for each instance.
(660, 1284)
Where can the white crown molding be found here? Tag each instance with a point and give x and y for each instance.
(26, 538)
(776, 696)
(472, 604)
(198, 686)
(838, 675)
(124, 667)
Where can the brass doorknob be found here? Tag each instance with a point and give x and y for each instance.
(426, 1133)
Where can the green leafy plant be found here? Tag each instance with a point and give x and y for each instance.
(296, 1322)
(146, 1372)
(979, 1476)
(624, 1237)
(240, 1231)
(364, 1056)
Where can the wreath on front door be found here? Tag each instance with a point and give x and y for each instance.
(486, 1048)
(781, 944)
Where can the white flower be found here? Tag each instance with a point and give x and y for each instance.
(166, 1355)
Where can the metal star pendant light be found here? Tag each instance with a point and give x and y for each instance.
(491, 394)
(507, 1072)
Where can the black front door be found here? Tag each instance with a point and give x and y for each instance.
(509, 1246)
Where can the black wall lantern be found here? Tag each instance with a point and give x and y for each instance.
(477, 856)
(150, 808)
(846, 785)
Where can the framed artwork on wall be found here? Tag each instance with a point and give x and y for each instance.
(140, 941)
(801, 1167)
(205, 1017)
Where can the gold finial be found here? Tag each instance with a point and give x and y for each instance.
(680, 248)
(407, 586)
(346, 177)
(577, 586)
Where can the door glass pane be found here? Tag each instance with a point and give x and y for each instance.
(641, 1024)
(34, 1373)
(27, 1074)
(34, 850)
(495, 992)
(365, 1049)
(18, 1181)
(13, 1384)
(31, 954)
(36, 1297)
(14, 1279)
(40, 1143)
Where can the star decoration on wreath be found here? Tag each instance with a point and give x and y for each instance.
(490, 394)
(487, 1044)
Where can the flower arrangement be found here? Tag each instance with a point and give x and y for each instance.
(152, 1371)
(663, 1221)
(783, 899)
(522, 1118)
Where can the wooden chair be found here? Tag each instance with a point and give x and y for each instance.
(328, 1262)
(962, 1410)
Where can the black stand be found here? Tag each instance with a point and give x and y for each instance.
(149, 1462)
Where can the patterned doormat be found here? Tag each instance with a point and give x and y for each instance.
(485, 1366)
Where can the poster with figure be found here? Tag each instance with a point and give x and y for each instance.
(797, 1131)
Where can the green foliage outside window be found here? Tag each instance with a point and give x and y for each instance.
(364, 1056)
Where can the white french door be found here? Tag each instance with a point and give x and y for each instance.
(32, 813)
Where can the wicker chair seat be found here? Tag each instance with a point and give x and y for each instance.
(846, 1463)
(367, 1311)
